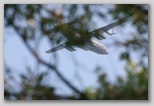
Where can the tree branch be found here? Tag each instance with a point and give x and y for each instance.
(48, 65)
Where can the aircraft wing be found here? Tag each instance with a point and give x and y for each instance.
(59, 47)
(55, 49)
(108, 27)
(93, 46)
(98, 33)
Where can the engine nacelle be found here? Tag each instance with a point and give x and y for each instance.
(98, 34)
(70, 48)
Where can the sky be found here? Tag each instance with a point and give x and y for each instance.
(81, 72)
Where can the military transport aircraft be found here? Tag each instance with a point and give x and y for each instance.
(88, 44)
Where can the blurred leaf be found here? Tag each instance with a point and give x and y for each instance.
(124, 56)
(135, 84)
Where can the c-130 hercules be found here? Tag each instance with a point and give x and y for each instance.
(87, 43)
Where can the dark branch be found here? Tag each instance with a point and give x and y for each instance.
(50, 66)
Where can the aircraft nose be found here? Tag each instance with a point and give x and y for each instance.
(106, 52)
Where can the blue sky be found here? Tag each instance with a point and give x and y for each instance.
(18, 57)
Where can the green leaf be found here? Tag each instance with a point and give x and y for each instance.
(125, 56)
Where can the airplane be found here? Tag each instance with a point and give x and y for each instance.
(88, 44)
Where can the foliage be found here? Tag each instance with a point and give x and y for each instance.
(33, 23)
(133, 87)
